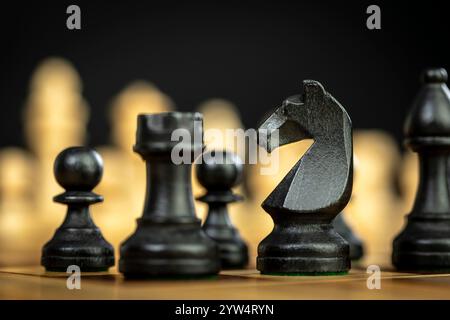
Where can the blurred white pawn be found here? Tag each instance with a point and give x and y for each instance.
(113, 214)
(375, 212)
(18, 234)
(55, 117)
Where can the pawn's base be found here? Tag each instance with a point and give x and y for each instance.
(356, 251)
(233, 255)
(303, 249)
(168, 250)
(355, 243)
(85, 248)
(305, 265)
(86, 265)
(233, 250)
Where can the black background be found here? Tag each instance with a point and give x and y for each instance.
(254, 53)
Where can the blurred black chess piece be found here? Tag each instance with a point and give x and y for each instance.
(78, 241)
(424, 244)
(316, 189)
(169, 240)
(355, 243)
(218, 172)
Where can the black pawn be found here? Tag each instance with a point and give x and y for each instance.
(355, 243)
(78, 241)
(169, 240)
(424, 244)
(218, 172)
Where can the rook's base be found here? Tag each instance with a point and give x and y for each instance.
(168, 250)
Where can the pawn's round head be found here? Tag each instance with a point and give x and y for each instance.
(435, 75)
(78, 169)
(219, 170)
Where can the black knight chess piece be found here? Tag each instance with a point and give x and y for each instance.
(169, 240)
(218, 172)
(314, 191)
(355, 243)
(78, 241)
(424, 244)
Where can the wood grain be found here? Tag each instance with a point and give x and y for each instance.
(35, 283)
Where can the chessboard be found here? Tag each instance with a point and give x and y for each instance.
(248, 284)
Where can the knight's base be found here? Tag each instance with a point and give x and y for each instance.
(303, 249)
(306, 274)
(303, 266)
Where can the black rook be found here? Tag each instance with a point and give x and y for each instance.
(169, 240)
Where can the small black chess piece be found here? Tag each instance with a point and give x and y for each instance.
(314, 191)
(355, 243)
(169, 240)
(218, 172)
(424, 243)
(78, 241)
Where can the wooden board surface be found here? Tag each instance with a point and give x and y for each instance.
(35, 283)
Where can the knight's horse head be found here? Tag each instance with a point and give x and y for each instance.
(322, 179)
(281, 127)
